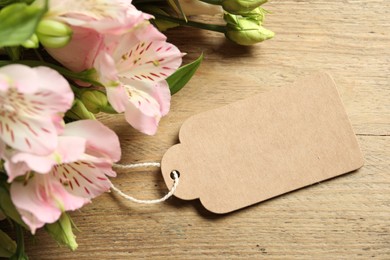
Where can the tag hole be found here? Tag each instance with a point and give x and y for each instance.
(173, 174)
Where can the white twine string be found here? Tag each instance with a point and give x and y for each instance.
(175, 177)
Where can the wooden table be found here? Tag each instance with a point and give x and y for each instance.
(343, 218)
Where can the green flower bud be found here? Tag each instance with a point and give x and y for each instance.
(31, 43)
(62, 232)
(94, 100)
(241, 6)
(53, 34)
(245, 31)
(79, 111)
(257, 14)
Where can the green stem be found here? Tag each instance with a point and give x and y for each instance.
(83, 76)
(210, 27)
(20, 254)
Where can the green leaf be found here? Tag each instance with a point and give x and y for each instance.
(18, 22)
(178, 79)
(62, 232)
(7, 245)
(8, 208)
(177, 7)
(8, 2)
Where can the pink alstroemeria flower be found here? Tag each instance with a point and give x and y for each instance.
(30, 108)
(90, 22)
(133, 67)
(67, 179)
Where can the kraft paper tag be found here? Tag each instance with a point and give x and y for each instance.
(264, 146)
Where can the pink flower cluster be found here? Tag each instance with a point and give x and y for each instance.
(131, 57)
(54, 167)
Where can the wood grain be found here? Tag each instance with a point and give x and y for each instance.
(344, 218)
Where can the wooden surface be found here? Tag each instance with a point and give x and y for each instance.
(344, 218)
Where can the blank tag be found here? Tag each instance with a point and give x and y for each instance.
(264, 146)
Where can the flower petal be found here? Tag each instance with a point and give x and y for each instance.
(117, 96)
(80, 52)
(36, 135)
(42, 200)
(82, 179)
(158, 90)
(26, 84)
(100, 140)
(29, 116)
(69, 149)
(142, 111)
(144, 59)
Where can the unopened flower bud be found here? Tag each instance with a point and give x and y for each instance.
(79, 111)
(245, 31)
(62, 232)
(257, 14)
(94, 100)
(241, 6)
(53, 34)
(196, 7)
(31, 43)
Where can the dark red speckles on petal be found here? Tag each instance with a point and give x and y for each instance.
(76, 181)
(82, 175)
(27, 142)
(147, 47)
(70, 185)
(154, 75)
(45, 130)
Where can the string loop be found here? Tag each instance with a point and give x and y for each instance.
(174, 175)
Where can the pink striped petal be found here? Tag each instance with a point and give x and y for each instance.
(82, 178)
(70, 149)
(145, 56)
(29, 116)
(36, 135)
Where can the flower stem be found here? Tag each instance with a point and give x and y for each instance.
(20, 254)
(210, 27)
